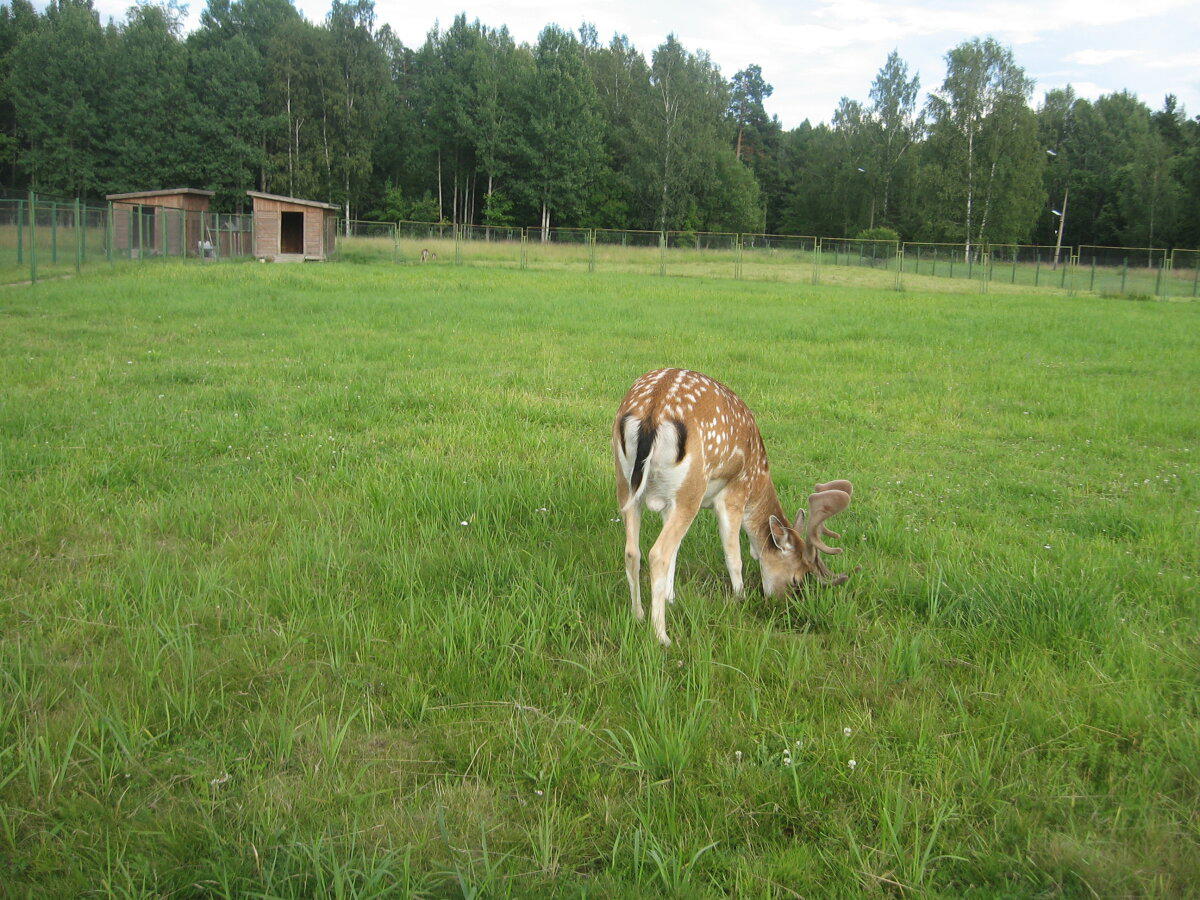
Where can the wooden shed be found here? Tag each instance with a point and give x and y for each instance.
(159, 223)
(287, 228)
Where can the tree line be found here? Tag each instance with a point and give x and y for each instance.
(475, 127)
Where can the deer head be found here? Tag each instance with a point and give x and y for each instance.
(799, 555)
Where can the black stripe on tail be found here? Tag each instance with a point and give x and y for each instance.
(681, 449)
(645, 440)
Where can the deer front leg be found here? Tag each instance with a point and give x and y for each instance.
(662, 560)
(729, 508)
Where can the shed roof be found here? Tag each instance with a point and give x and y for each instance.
(296, 200)
(164, 193)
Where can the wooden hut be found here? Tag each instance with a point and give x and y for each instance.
(159, 223)
(290, 229)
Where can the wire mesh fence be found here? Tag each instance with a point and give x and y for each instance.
(1125, 271)
(45, 238)
(1183, 275)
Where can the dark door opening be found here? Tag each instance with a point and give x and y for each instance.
(291, 232)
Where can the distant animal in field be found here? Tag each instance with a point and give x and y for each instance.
(426, 256)
(683, 441)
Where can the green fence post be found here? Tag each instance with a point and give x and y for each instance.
(1014, 271)
(1092, 278)
(591, 249)
(899, 267)
(141, 234)
(1124, 272)
(970, 264)
(952, 254)
(662, 253)
(396, 243)
(737, 258)
(53, 232)
(1195, 276)
(78, 239)
(1158, 279)
(458, 229)
(20, 232)
(32, 238)
(524, 248)
(818, 252)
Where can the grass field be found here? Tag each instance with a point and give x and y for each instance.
(311, 583)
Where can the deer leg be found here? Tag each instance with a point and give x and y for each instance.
(633, 558)
(662, 559)
(729, 525)
(631, 515)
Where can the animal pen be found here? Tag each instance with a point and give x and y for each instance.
(290, 229)
(175, 222)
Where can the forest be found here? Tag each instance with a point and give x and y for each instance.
(473, 126)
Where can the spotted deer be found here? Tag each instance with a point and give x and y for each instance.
(683, 441)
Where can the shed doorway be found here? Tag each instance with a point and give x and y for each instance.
(291, 232)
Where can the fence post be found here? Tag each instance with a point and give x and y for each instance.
(817, 253)
(662, 253)
(591, 249)
(1124, 272)
(109, 233)
(458, 229)
(78, 239)
(20, 232)
(1158, 279)
(1016, 250)
(1092, 279)
(1195, 276)
(32, 238)
(524, 250)
(737, 258)
(396, 242)
(899, 266)
(53, 232)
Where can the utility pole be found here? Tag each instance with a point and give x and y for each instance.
(1062, 221)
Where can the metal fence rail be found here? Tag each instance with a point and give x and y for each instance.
(45, 238)
(781, 257)
(48, 238)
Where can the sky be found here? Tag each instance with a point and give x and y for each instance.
(817, 51)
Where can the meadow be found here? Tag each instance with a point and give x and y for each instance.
(311, 583)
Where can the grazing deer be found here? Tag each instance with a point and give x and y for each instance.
(425, 256)
(683, 441)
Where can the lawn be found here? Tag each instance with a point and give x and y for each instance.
(311, 582)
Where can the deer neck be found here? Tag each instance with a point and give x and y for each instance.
(761, 504)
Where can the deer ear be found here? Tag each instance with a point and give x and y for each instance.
(781, 535)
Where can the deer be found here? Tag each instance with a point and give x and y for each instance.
(683, 441)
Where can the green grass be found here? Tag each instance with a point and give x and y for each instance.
(248, 648)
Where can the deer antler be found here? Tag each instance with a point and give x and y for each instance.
(829, 500)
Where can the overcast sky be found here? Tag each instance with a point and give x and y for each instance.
(817, 51)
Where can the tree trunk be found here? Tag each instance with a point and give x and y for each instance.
(970, 188)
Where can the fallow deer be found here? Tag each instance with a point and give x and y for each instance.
(683, 441)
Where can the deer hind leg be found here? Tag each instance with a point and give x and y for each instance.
(729, 508)
(632, 517)
(662, 557)
(633, 558)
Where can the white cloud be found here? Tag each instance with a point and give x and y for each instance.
(815, 51)
(1099, 57)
